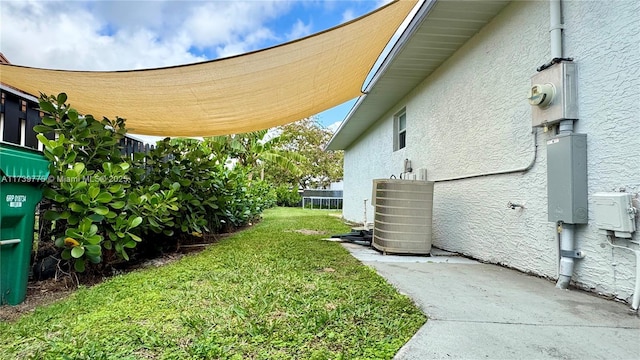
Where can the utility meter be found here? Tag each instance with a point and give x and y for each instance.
(554, 94)
(541, 95)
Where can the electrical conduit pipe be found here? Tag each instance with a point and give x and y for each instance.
(555, 30)
(567, 239)
(635, 301)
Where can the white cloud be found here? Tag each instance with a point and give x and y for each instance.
(159, 16)
(117, 35)
(247, 43)
(38, 34)
(348, 15)
(382, 3)
(334, 127)
(299, 30)
(120, 35)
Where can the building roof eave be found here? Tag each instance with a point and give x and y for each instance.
(438, 29)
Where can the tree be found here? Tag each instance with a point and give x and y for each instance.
(253, 151)
(318, 168)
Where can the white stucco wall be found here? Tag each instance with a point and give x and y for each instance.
(471, 117)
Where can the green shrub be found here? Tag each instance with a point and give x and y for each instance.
(264, 194)
(183, 169)
(287, 195)
(102, 204)
(211, 196)
(90, 183)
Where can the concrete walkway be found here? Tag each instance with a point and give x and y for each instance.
(482, 311)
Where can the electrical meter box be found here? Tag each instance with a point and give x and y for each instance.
(614, 212)
(567, 178)
(554, 94)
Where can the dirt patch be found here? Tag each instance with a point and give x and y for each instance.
(39, 293)
(330, 306)
(309, 232)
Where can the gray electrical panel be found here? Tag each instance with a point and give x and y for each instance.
(567, 178)
(562, 78)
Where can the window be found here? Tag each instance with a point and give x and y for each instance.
(400, 130)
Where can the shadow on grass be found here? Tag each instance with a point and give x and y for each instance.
(269, 292)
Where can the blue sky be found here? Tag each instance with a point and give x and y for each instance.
(119, 35)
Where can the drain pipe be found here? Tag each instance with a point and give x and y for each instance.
(567, 239)
(567, 255)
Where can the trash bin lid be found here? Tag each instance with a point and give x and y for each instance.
(19, 163)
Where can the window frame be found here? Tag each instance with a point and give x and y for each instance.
(400, 134)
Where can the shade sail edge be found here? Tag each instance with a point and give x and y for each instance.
(244, 93)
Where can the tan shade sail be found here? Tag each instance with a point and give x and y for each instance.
(239, 94)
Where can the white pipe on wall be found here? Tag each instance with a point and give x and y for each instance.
(556, 43)
(567, 243)
(567, 240)
(635, 301)
(555, 29)
(636, 293)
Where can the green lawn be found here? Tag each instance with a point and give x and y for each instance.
(265, 293)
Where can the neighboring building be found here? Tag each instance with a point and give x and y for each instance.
(339, 185)
(3, 60)
(452, 98)
(19, 113)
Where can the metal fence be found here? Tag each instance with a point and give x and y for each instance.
(322, 199)
(20, 112)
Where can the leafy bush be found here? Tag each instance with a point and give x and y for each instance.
(288, 195)
(264, 195)
(103, 204)
(88, 193)
(212, 196)
(244, 200)
(181, 168)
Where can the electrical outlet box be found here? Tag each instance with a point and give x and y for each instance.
(614, 212)
(554, 94)
(567, 178)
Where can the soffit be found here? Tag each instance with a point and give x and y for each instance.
(437, 31)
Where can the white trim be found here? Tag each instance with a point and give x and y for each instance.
(19, 93)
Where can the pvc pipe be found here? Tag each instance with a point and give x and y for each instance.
(555, 32)
(501, 172)
(635, 302)
(558, 252)
(566, 126)
(567, 243)
(555, 29)
(364, 223)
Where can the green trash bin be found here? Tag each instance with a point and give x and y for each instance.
(23, 172)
